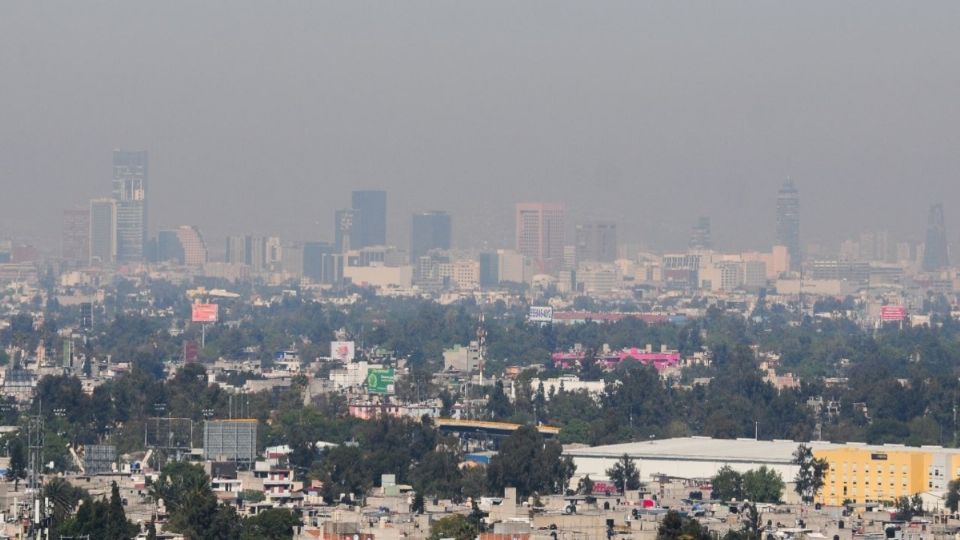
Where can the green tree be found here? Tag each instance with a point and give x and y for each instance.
(90, 520)
(118, 527)
(474, 483)
(727, 485)
(419, 505)
(438, 474)
(624, 474)
(809, 479)
(762, 485)
(344, 470)
(907, 508)
(585, 486)
(179, 481)
(498, 404)
(751, 519)
(18, 462)
(270, 524)
(193, 508)
(99, 519)
(528, 463)
(454, 526)
(200, 517)
(64, 499)
(673, 526)
(953, 495)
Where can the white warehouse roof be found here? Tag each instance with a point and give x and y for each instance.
(701, 449)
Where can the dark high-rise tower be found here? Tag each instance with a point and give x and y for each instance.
(75, 243)
(103, 231)
(370, 228)
(596, 241)
(700, 237)
(788, 222)
(130, 194)
(935, 255)
(430, 230)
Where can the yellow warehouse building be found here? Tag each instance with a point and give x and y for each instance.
(863, 474)
(856, 472)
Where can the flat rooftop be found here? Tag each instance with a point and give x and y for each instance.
(709, 449)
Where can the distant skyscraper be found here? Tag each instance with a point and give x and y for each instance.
(194, 248)
(539, 234)
(130, 193)
(788, 222)
(103, 231)
(345, 229)
(700, 236)
(183, 245)
(935, 256)
(75, 239)
(430, 230)
(596, 241)
(249, 250)
(169, 249)
(489, 269)
(236, 250)
(322, 262)
(370, 228)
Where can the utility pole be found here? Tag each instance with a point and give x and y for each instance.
(35, 444)
(481, 342)
(956, 398)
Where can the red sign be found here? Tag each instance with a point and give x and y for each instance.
(205, 313)
(893, 313)
(603, 488)
(191, 349)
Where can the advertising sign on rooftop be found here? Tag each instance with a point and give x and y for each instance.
(540, 314)
(344, 351)
(380, 380)
(205, 313)
(893, 313)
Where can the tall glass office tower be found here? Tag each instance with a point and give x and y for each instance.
(130, 194)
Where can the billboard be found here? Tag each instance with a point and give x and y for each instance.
(540, 314)
(191, 350)
(893, 313)
(343, 351)
(99, 458)
(205, 313)
(230, 440)
(380, 380)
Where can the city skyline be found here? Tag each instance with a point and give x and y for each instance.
(478, 270)
(714, 113)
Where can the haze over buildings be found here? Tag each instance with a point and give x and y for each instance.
(271, 134)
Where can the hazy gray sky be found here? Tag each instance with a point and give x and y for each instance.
(262, 116)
